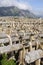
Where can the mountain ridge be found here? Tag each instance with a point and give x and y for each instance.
(15, 11)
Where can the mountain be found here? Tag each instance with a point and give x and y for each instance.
(40, 16)
(14, 11)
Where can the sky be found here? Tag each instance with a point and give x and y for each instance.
(35, 6)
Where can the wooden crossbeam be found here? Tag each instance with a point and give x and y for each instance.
(10, 48)
(33, 56)
(4, 38)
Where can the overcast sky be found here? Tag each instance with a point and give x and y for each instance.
(35, 6)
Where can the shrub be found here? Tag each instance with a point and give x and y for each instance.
(11, 62)
(4, 61)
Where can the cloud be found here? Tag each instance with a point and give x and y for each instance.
(20, 4)
(23, 6)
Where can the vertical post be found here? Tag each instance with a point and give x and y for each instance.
(41, 46)
(37, 44)
(37, 62)
(9, 39)
(26, 50)
(30, 46)
(20, 57)
(13, 24)
(11, 44)
(23, 55)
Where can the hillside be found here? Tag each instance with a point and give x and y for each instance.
(14, 11)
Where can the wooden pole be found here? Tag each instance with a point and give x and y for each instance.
(11, 44)
(37, 44)
(37, 62)
(20, 57)
(24, 51)
(30, 46)
(10, 39)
